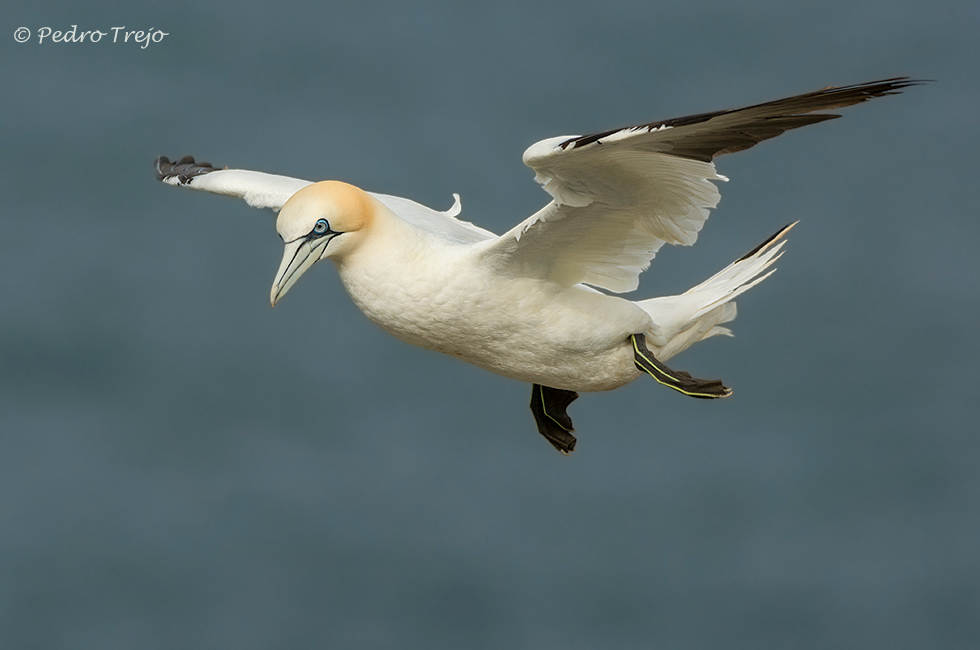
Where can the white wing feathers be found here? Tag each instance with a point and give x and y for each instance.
(614, 208)
(257, 189)
(261, 190)
(444, 224)
(620, 195)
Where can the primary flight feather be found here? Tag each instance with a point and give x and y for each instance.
(527, 304)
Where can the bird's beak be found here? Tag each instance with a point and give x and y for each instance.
(297, 258)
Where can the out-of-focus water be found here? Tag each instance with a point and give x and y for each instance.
(181, 466)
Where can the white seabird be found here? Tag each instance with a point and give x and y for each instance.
(527, 304)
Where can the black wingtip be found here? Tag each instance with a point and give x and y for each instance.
(870, 90)
(781, 115)
(782, 231)
(184, 170)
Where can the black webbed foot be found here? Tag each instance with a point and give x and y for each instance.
(548, 406)
(679, 381)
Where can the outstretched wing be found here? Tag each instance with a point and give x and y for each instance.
(620, 195)
(262, 190)
(258, 189)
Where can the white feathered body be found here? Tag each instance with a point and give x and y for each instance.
(527, 329)
(445, 296)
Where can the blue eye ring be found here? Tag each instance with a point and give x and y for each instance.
(321, 227)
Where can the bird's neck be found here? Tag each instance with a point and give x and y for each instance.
(388, 242)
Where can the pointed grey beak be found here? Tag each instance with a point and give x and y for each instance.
(299, 255)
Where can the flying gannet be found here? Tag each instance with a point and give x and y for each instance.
(527, 304)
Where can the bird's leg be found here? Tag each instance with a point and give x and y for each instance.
(548, 406)
(679, 381)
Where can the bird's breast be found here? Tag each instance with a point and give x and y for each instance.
(528, 329)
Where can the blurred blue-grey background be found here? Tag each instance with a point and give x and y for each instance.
(183, 467)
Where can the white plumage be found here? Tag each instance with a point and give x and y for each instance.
(527, 304)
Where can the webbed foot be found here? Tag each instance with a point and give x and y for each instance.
(679, 381)
(548, 406)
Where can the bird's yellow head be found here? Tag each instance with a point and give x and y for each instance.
(325, 219)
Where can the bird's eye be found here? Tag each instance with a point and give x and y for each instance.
(321, 227)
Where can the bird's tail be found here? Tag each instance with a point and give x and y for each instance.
(681, 321)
